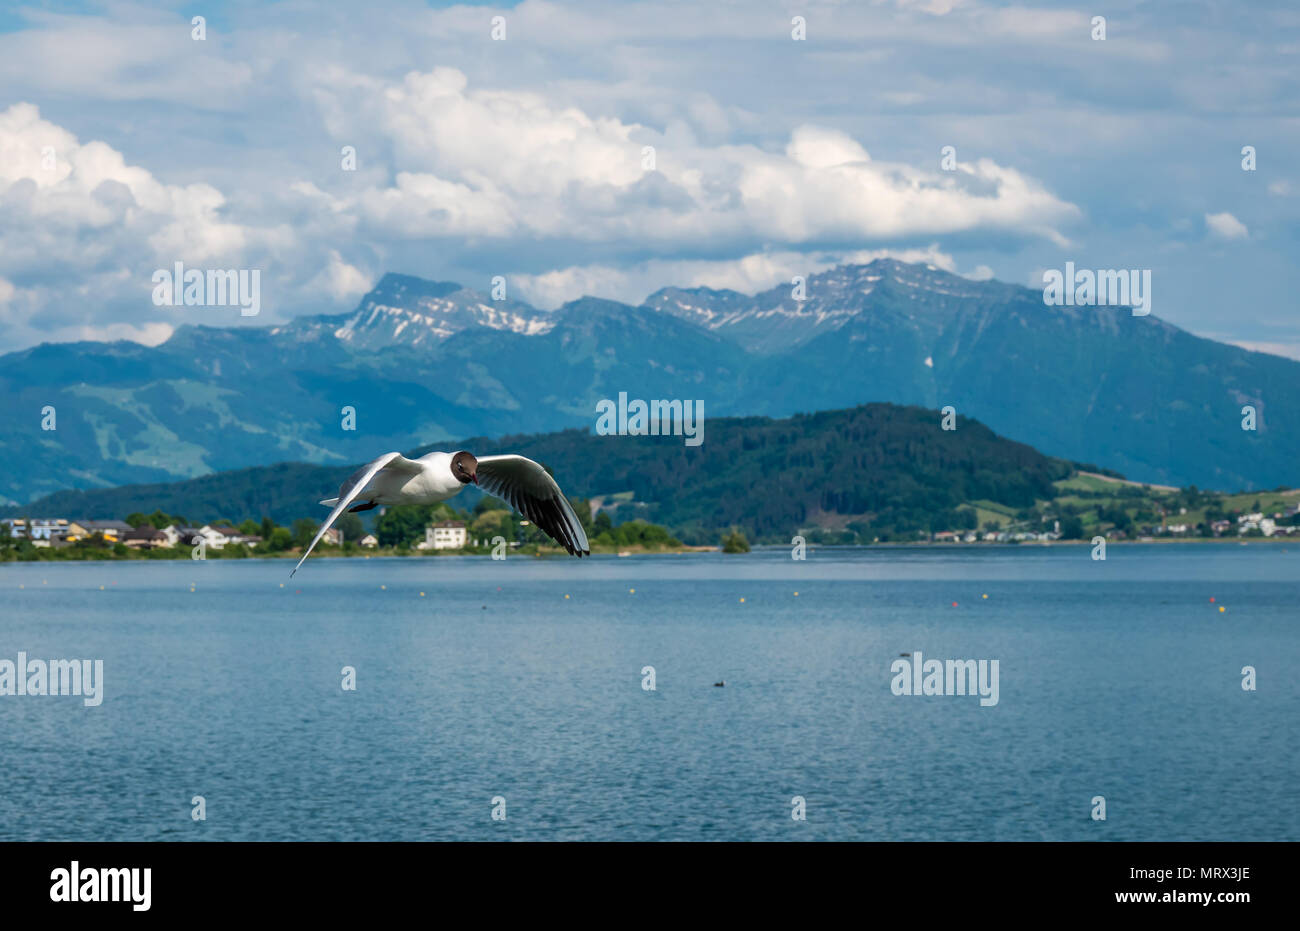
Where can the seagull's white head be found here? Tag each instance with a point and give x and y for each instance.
(464, 467)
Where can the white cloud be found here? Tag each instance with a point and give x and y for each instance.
(52, 183)
(341, 280)
(149, 334)
(1226, 226)
(83, 231)
(504, 164)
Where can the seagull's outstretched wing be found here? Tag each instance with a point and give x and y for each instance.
(353, 487)
(534, 494)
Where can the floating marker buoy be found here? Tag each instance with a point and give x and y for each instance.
(1211, 599)
(631, 591)
(954, 604)
(101, 588)
(421, 594)
(796, 594)
(984, 596)
(382, 587)
(742, 601)
(1222, 609)
(566, 596)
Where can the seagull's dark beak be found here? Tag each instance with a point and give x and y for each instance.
(473, 477)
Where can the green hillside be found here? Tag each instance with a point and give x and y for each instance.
(874, 473)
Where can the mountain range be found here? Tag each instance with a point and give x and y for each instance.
(421, 361)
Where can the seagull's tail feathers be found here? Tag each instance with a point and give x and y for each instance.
(330, 502)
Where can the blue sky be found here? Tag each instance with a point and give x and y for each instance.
(525, 157)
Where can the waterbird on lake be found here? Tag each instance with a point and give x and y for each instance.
(434, 477)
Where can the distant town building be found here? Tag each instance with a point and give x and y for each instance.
(216, 537)
(111, 530)
(42, 529)
(447, 535)
(369, 541)
(178, 534)
(146, 538)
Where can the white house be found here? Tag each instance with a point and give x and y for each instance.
(185, 536)
(369, 541)
(216, 537)
(447, 535)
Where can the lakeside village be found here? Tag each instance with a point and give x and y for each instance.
(158, 536)
(1082, 507)
(1088, 505)
(1244, 525)
(399, 531)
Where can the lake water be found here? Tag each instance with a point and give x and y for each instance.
(1118, 679)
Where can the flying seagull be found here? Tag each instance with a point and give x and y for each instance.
(394, 479)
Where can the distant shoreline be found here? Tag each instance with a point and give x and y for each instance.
(547, 552)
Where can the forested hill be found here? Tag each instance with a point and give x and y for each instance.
(878, 465)
(888, 466)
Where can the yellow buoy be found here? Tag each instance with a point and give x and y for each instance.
(383, 586)
(631, 591)
(1222, 609)
(566, 596)
(421, 594)
(101, 588)
(742, 601)
(984, 596)
(796, 594)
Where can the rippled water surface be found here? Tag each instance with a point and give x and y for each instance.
(1118, 678)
